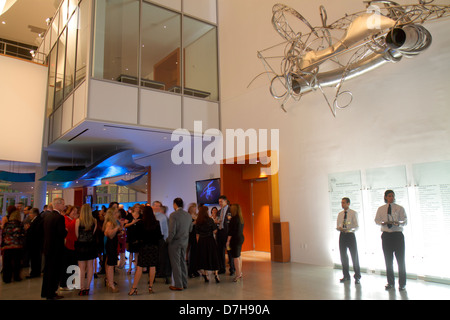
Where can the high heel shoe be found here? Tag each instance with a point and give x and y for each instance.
(238, 278)
(205, 277)
(106, 282)
(113, 289)
(150, 289)
(217, 278)
(84, 292)
(133, 291)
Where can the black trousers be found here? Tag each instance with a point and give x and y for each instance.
(163, 268)
(221, 239)
(347, 241)
(12, 259)
(35, 255)
(69, 258)
(394, 243)
(52, 274)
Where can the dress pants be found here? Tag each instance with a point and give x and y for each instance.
(347, 240)
(69, 258)
(221, 239)
(163, 268)
(177, 255)
(12, 259)
(35, 255)
(394, 243)
(52, 274)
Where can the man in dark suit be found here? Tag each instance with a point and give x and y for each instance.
(54, 235)
(222, 234)
(180, 225)
(33, 243)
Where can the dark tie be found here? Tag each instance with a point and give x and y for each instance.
(345, 220)
(389, 216)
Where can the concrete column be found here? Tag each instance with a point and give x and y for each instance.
(40, 187)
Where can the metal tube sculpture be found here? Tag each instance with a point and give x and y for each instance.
(320, 58)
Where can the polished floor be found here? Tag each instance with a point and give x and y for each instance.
(263, 280)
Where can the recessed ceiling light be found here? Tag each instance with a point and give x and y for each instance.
(3, 22)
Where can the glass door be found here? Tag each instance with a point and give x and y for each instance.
(12, 199)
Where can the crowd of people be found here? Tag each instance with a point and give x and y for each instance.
(175, 246)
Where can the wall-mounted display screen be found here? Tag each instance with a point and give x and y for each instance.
(208, 191)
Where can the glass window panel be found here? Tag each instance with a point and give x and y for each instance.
(123, 197)
(160, 48)
(60, 68)
(101, 189)
(72, 6)
(51, 80)
(114, 198)
(47, 42)
(116, 40)
(82, 41)
(63, 14)
(55, 29)
(200, 59)
(70, 55)
(113, 189)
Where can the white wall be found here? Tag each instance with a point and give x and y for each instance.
(400, 115)
(22, 106)
(170, 181)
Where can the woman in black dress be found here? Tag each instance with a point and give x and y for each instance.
(207, 258)
(236, 238)
(85, 246)
(148, 234)
(111, 228)
(132, 241)
(192, 245)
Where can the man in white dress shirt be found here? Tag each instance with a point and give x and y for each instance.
(347, 224)
(392, 218)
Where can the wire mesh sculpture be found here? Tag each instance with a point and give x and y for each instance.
(327, 55)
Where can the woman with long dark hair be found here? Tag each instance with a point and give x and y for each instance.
(149, 234)
(207, 258)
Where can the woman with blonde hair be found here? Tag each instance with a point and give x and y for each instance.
(236, 238)
(111, 228)
(86, 247)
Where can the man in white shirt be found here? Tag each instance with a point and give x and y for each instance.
(161, 217)
(392, 218)
(347, 224)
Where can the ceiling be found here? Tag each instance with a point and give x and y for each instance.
(92, 140)
(25, 19)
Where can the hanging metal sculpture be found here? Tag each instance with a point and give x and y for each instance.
(328, 55)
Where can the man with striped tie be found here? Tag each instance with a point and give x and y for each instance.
(347, 224)
(392, 218)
